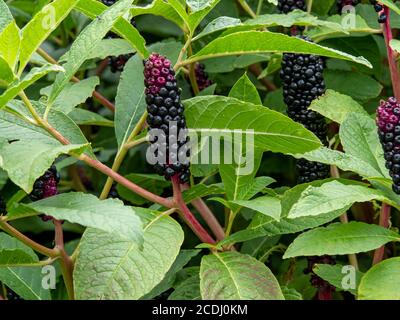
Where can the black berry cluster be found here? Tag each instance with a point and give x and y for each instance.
(342, 3)
(2, 206)
(325, 289)
(388, 121)
(309, 171)
(286, 6)
(382, 16)
(45, 187)
(202, 77)
(12, 296)
(302, 77)
(165, 112)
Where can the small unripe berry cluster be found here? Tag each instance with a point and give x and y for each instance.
(286, 6)
(166, 114)
(302, 77)
(316, 281)
(45, 187)
(2, 206)
(388, 121)
(342, 3)
(202, 77)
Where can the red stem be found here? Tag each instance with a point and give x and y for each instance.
(188, 216)
(325, 294)
(394, 72)
(384, 219)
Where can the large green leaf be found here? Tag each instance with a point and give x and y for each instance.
(86, 42)
(9, 44)
(235, 276)
(25, 281)
(14, 252)
(336, 106)
(339, 238)
(130, 101)
(263, 42)
(113, 268)
(41, 26)
(381, 282)
(25, 160)
(272, 131)
(35, 74)
(359, 137)
(107, 215)
(6, 73)
(5, 15)
(93, 8)
(270, 206)
(333, 196)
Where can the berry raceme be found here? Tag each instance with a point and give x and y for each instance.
(286, 6)
(302, 77)
(388, 121)
(202, 77)
(165, 113)
(2, 205)
(45, 187)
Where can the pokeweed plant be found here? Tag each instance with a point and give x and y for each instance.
(199, 150)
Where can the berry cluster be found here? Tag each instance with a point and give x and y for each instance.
(382, 17)
(342, 3)
(388, 121)
(12, 296)
(45, 187)
(109, 2)
(302, 77)
(2, 206)
(166, 114)
(309, 171)
(202, 77)
(286, 6)
(325, 289)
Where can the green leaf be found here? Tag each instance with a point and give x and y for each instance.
(25, 161)
(263, 42)
(86, 42)
(333, 196)
(359, 137)
(381, 282)
(218, 24)
(6, 73)
(34, 75)
(342, 160)
(200, 191)
(340, 239)
(272, 130)
(189, 289)
(41, 26)
(14, 252)
(126, 271)
(245, 90)
(130, 101)
(291, 294)
(5, 15)
(391, 5)
(111, 47)
(25, 281)
(9, 44)
(203, 8)
(88, 118)
(342, 81)
(159, 8)
(94, 8)
(235, 276)
(183, 258)
(336, 106)
(335, 274)
(266, 205)
(107, 215)
(73, 94)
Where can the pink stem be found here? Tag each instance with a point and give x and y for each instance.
(384, 219)
(188, 216)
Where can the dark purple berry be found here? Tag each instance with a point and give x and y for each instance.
(322, 285)
(165, 108)
(286, 6)
(202, 77)
(388, 122)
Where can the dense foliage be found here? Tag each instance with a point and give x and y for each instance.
(199, 149)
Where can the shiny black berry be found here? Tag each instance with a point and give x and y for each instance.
(388, 122)
(309, 171)
(165, 113)
(286, 6)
